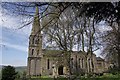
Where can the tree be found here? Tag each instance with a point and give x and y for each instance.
(109, 12)
(110, 46)
(70, 31)
(8, 73)
(62, 35)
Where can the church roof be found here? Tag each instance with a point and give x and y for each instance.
(52, 53)
(99, 59)
(57, 53)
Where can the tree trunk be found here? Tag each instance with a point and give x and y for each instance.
(119, 60)
(83, 41)
(118, 36)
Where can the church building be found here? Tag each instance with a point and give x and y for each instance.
(55, 62)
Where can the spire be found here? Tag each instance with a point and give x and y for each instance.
(36, 22)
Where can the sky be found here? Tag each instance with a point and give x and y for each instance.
(14, 41)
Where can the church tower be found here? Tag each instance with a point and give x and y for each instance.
(35, 46)
(35, 43)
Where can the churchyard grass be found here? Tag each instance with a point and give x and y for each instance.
(108, 76)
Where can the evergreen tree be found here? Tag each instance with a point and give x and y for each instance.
(8, 73)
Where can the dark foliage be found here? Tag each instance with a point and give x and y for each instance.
(8, 73)
(114, 70)
(102, 11)
(109, 12)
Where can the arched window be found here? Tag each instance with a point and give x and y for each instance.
(82, 63)
(32, 52)
(33, 39)
(89, 67)
(72, 62)
(79, 63)
(48, 64)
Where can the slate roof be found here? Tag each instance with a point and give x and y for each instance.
(52, 53)
(99, 59)
(60, 53)
(55, 53)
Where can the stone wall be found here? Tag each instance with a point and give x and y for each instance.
(79, 64)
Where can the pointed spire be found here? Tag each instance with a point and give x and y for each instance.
(36, 22)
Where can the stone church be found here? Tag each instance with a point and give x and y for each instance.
(55, 62)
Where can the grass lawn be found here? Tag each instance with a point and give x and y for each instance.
(47, 78)
(104, 77)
